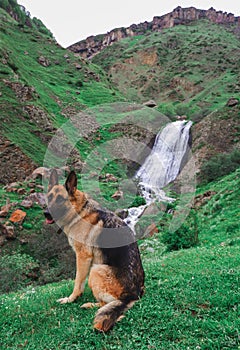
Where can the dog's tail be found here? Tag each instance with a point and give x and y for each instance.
(109, 314)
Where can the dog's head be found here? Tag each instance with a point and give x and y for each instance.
(58, 197)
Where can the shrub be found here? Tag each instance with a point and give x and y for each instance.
(219, 165)
(17, 270)
(184, 237)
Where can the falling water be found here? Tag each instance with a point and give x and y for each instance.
(161, 167)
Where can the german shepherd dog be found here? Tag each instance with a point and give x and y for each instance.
(105, 248)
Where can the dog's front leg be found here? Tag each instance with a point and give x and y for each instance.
(82, 268)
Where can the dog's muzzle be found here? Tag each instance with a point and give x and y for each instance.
(48, 216)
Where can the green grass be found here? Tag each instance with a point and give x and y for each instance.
(191, 300)
(203, 57)
(56, 88)
(192, 296)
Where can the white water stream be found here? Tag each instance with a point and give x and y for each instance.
(161, 167)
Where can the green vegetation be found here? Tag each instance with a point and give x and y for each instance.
(191, 301)
(191, 295)
(42, 85)
(192, 273)
(220, 165)
(188, 69)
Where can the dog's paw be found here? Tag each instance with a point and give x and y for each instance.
(90, 305)
(64, 300)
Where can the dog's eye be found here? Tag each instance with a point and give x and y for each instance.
(50, 197)
(60, 199)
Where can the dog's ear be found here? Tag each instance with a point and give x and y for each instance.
(71, 183)
(53, 179)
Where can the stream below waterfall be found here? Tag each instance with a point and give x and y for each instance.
(161, 167)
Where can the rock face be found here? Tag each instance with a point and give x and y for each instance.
(92, 45)
(209, 135)
(15, 165)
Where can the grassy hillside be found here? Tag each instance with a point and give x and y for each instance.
(188, 69)
(191, 298)
(42, 85)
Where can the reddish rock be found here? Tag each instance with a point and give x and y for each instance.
(203, 198)
(117, 195)
(18, 216)
(21, 191)
(151, 230)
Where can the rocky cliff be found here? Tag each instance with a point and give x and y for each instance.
(92, 45)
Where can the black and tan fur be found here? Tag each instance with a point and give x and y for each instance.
(105, 249)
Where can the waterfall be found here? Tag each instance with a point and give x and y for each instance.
(162, 166)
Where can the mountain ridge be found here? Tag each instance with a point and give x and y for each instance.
(92, 45)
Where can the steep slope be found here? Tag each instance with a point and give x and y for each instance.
(188, 69)
(42, 85)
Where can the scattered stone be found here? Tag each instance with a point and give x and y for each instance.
(31, 185)
(10, 233)
(232, 102)
(6, 232)
(21, 191)
(201, 199)
(150, 103)
(92, 175)
(40, 187)
(5, 209)
(12, 185)
(38, 198)
(3, 230)
(41, 172)
(3, 213)
(12, 189)
(117, 195)
(181, 117)
(122, 213)
(26, 203)
(43, 61)
(18, 216)
(151, 230)
(108, 178)
(150, 250)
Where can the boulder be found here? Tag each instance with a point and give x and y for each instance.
(150, 230)
(150, 103)
(117, 195)
(18, 216)
(232, 102)
(6, 232)
(41, 172)
(43, 61)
